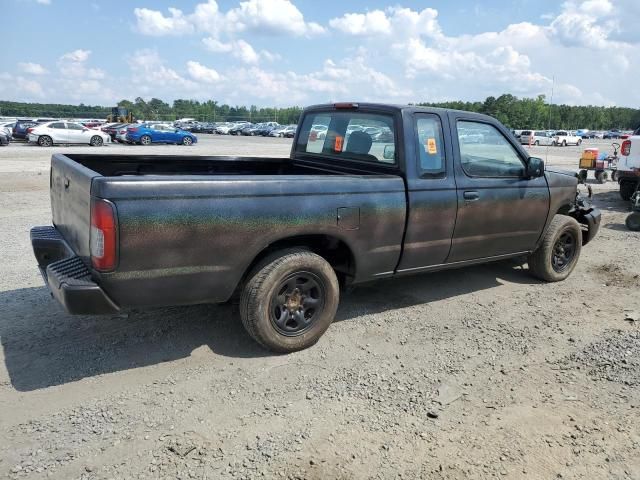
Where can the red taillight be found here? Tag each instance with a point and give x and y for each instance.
(29, 130)
(134, 129)
(626, 148)
(103, 235)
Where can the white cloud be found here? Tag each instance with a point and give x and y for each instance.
(369, 23)
(396, 21)
(153, 22)
(44, 2)
(32, 68)
(73, 64)
(150, 70)
(273, 17)
(240, 49)
(200, 73)
(76, 56)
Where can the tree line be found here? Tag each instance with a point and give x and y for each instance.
(538, 114)
(514, 112)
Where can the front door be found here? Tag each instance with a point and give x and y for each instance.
(500, 211)
(431, 189)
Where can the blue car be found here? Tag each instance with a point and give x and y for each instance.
(148, 133)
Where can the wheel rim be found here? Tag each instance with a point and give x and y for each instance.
(96, 141)
(187, 140)
(297, 303)
(145, 140)
(564, 250)
(45, 142)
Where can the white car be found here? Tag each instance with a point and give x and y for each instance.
(51, 133)
(536, 137)
(564, 138)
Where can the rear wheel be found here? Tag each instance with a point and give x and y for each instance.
(537, 143)
(96, 141)
(579, 142)
(558, 254)
(602, 176)
(554, 143)
(614, 175)
(187, 141)
(564, 143)
(289, 300)
(45, 141)
(145, 140)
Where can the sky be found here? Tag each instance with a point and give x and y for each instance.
(301, 52)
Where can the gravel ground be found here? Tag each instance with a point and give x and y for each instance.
(477, 373)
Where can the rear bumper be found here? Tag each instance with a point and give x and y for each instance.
(68, 278)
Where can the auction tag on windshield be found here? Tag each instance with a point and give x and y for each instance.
(431, 146)
(337, 147)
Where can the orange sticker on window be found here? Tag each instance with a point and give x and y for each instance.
(431, 146)
(337, 147)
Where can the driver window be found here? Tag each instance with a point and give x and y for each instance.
(485, 152)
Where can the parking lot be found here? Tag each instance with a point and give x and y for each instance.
(478, 373)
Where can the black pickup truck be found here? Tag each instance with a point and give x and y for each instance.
(369, 191)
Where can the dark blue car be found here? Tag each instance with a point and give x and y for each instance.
(148, 133)
(20, 129)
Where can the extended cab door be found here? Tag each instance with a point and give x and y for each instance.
(500, 211)
(431, 191)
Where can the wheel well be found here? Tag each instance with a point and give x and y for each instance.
(332, 249)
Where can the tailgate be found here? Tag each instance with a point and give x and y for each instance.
(71, 202)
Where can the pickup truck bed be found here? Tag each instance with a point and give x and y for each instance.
(189, 227)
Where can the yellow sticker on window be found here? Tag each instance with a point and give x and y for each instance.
(431, 146)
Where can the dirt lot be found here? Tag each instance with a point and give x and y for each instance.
(479, 373)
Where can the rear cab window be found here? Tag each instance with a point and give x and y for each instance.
(350, 135)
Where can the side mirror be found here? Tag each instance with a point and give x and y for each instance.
(535, 167)
(389, 152)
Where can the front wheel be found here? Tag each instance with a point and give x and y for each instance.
(289, 300)
(96, 141)
(187, 141)
(579, 142)
(558, 254)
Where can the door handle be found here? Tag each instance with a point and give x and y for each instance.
(471, 196)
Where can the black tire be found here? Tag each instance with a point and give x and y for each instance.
(187, 141)
(564, 143)
(554, 143)
(537, 143)
(579, 142)
(145, 140)
(614, 175)
(555, 258)
(276, 287)
(582, 175)
(626, 190)
(45, 141)
(602, 176)
(633, 222)
(96, 141)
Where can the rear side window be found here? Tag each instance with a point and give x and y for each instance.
(349, 135)
(58, 125)
(430, 146)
